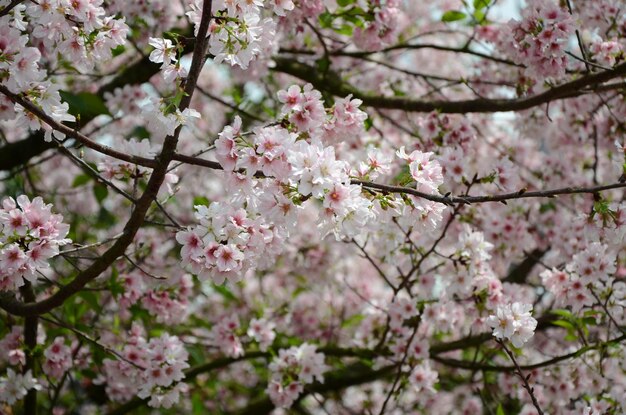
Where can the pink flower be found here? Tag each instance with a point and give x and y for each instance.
(423, 378)
(228, 258)
(292, 99)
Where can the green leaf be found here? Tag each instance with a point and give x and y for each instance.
(368, 123)
(201, 201)
(352, 321)
(118, 50)
(323, 64)
(80, 180)
(589, 321)
(481, 4)
(297, 292)
(139, 132)
(326, 20)
(453, 16)
(562, 313)
(105, 219)
(356, 20)
(488, 179)
(500, 410)
(116, 286)
(545, 207)
(344, 3)
(101, 192)
(90, 298)
(479, 15)
(85, 104)
(197, 405)
(345, 29)
(224, 292)
(564, 324)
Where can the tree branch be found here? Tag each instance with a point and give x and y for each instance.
(452, 200)
(13, 306)
(466, 342)
(360, 54)
(447, 200)
(334, 85)
(463, 364)
(525, 384)
(70, 132)
(9, 7)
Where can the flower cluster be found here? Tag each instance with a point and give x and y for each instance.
(568, 289)
(382, 30)
(224, 336)
(79, 31)
(317, 173)
(513, 322)
(20, 71)
(125, 100)
(539, 40)
(15, 386)
(11, 347)
(113, 168)
(149, 369)
(165, 52)
(446, 130)
(229, 241)
(235, 235)
(30, 234)
(423, 378)
(594, 264)
(474, 250)
(590, 269)
(166, 300)
(607, 52)
(162, 119)
(304, 109)
(58, 358)
(39, 35)
(292, 370)
(426, 172)
(402, 315)
(262, 331)
(238, 33)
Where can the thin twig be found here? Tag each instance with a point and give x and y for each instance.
(525, 384)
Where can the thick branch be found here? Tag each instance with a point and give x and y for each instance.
(464, 364)
(353, 375)
(519, 273)
(333, 84)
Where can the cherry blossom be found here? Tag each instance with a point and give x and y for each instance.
(312, 206)
(31, 234)
(292, 370)
(513, 322)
